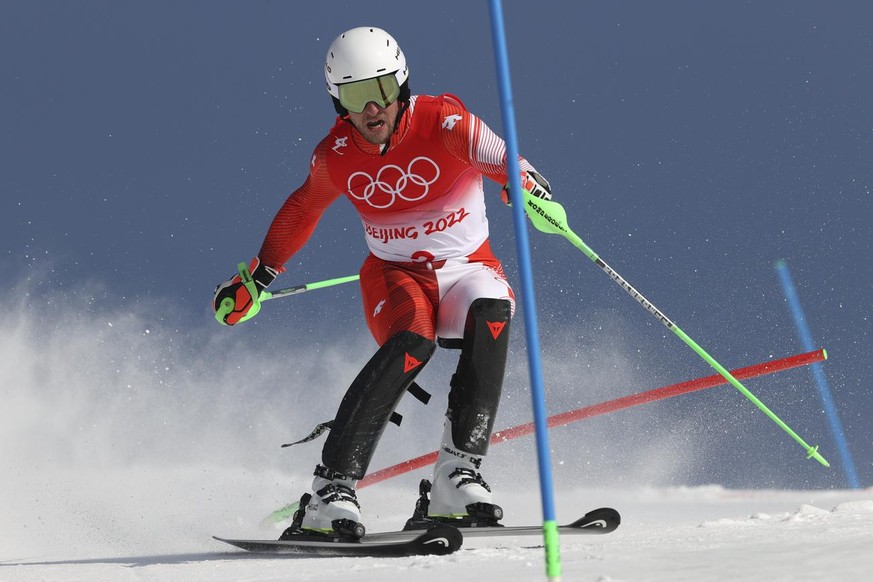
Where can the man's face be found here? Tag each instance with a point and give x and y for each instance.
(376, 123)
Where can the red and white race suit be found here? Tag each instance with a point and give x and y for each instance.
(422, 207)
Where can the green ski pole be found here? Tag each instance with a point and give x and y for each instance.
(550, 217)
(297, 289)
(227, 304)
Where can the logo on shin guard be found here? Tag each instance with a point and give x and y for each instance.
(410, 363)
(496, 327)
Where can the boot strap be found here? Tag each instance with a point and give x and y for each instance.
(468, 476)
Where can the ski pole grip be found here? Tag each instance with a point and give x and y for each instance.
(227, 304)
(248, 281)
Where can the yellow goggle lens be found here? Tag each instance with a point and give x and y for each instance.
(382, 91)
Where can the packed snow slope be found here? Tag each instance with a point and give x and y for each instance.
(669, 534)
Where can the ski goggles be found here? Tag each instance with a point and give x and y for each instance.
(383, 91)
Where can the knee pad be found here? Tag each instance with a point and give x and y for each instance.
(370, 401)
(478, 381)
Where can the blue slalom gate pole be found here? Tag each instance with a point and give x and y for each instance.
(818, 373)
(550, 525)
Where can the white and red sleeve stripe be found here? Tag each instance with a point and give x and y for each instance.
(478, 145)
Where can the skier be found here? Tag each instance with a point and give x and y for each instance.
(412, 166)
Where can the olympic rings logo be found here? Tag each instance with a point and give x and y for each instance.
(392, 182)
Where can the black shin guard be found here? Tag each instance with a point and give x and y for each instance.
(477, 383)
(370, 400)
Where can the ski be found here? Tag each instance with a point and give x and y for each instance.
(438, 540)
(598, 521)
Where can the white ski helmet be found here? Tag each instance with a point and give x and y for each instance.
(360, 54)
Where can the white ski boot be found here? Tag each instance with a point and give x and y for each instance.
(331, 509)
(458, 491)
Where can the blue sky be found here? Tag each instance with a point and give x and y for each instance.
(146, 147)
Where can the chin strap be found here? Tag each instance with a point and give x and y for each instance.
(404, 105)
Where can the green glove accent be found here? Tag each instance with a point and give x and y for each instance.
(228, 304)
(224, 310)
(249, 283)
